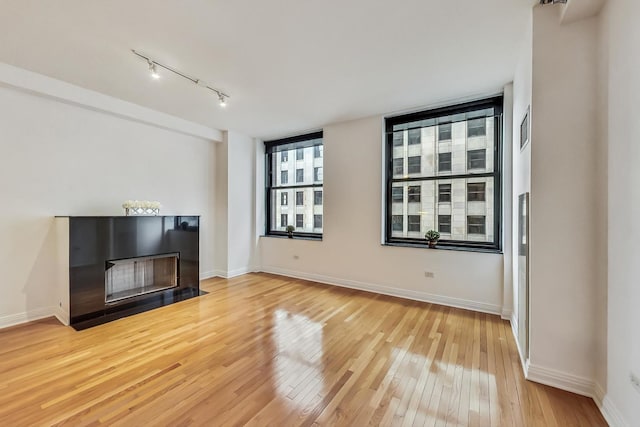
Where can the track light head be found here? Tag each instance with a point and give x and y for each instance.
(223, 100)
(153, 70)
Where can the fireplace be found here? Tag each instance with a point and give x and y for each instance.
(131, 277)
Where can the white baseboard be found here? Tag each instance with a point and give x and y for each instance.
(28, 316)
(228, 274)
(207, 274)
(611, 414)
(61, 315)
(551, 377)
(514, 330)
(506, 314)
(394, 292)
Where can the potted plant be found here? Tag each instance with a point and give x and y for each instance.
(290, 230)
(432, 237)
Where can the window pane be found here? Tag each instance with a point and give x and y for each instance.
(397, 194)
(317, 221)
(444, 193)
(413, 223)
(444, 162)
(299, 198)
(284, 177)
(317, 174)
(317, 151)
(317, 198)
(477, 127)
(444, 224)
(444, 132)
(398, 166)
(299, 221)
(414, 164)
(283, 220)
(299, 175)
(299, 153)
(414, 136)
(476, 159)
(396, 222)
(284, 156)
(476, 224)
(476, 192)
(414, 193)
(398, 139)
(284, 199)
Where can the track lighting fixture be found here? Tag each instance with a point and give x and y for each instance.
(552, 1)
(222, 97)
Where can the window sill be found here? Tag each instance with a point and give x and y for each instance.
(279, 236)
(444, 247)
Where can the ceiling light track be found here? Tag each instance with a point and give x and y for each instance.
(153, 69)
(553, 1)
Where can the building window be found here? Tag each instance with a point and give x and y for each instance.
(413, 164)
(444, 162)
(476, 224)
(444, 132)
(398, 166)
(476, 127)
(435, 196)
(477, 159)
(317, 221)
(413, 222)
(278, 188)
(414, 193)
(396, 222)
(397, 195)
(283, 220)
(444, 193)
(444, 224)
(476, 191)
(414, 136)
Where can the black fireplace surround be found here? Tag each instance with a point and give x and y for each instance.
(96, 242)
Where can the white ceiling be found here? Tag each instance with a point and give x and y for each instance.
(289, 65)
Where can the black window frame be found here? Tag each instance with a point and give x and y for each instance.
(390, 122)
(273, 149)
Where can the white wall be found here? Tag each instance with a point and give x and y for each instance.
(350, 253)
(621, 83)
(62, 159)
(563, 201)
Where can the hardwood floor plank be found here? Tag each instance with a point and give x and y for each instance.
(267, 350)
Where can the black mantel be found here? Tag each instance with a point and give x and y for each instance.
(94, 240)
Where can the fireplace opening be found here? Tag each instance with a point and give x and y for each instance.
(127, 278)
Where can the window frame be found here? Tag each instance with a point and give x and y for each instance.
(271, 152)
(496, 103)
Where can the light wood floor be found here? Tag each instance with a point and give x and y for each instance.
(269, 350)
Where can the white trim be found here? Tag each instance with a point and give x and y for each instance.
(598, 394)
(27, 316)
(563, 381)
(507, 314)
(38, 84)
(61, 315)
(611, 414)
(208, 274)
(394, 292)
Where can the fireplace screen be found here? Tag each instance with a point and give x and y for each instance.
(126, 278)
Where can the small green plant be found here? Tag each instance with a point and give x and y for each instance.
(432, 235)
(290, 230)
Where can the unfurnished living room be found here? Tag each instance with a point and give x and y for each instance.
(319, 213)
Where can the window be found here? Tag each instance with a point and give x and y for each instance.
(396, 222)
(413, 163)
(413, 223)
(444, 224)
(317, 221)
(476, 191)
(398, 166)
(444, 193)
(444, 162)
(476, 224)
(476, 159)
(304, 192)
(444, 132)
(454, 188)
(414, 193)
(414, 136)
(477, 127)
(397, 195)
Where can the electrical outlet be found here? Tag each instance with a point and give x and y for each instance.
(429, 274)
(635, 381)
(296, 257)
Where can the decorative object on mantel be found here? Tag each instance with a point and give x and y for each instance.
(137, 207)
(432, 237)
(290, 230)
